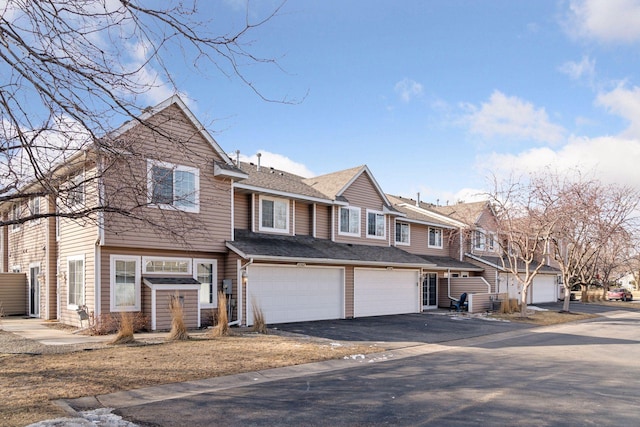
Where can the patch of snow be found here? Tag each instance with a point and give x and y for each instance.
(534, 308)
(96, 417)
(336, 344)
(354, 357)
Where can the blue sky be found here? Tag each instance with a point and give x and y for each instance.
(433, 96)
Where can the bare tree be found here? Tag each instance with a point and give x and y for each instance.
(524, 229)
(72, 70)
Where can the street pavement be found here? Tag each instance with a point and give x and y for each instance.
(577, 374)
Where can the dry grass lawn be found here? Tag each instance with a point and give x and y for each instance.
(544, 318)
(28, 383)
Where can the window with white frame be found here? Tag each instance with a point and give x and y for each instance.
(376, 225)
(435, 237)
(479, 240)
(274, 214)
(76, 191)
(15, 215)
(125, 283)
(402, 233)
(205, 272)
(34, 208)
(490, 241)
(163, 265)
(173, 186)
(75, 281)
(349, 221)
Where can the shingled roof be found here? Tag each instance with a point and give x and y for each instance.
(261, 177)
(495, 261)
(445, 262)
(272, 247)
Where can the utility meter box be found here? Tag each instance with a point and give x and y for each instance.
(227, 286)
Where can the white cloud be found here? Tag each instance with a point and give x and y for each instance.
(408, 89)
(278, 161)
(625, 103)
(606, 21)
(585, 69)
(512, 117)
(610, 159)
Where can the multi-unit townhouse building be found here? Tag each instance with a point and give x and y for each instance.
(192, 221)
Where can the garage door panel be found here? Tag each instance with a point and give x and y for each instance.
(296, 294)
(383, 292)
(544, 289)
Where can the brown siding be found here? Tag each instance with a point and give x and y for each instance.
(470, 285)
(126, 186)
(363, 194)
(348, 291)
(163, 313)
(323, 222)
(13, 298)
(242, 211)
(303, 213)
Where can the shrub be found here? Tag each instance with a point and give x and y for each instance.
(259, 321)
(125, 331)
(221, 329)
(178, 328)
(110, 323)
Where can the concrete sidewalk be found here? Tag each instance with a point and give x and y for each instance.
(37, 330)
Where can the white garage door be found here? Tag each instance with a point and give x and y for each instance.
(544, 289)
(296, 294)
(381, 292)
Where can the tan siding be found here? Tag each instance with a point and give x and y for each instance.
(362, 193)
(163, 313)
(126, 186)
(323, 222)
(349, 291)
(13, 298)
(229, 270)
(470, 285)
(242, 211)
(303, 219)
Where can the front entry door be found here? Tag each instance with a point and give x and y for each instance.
(34, 292)
(429, 291)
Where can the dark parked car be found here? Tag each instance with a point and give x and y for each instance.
(621, 294)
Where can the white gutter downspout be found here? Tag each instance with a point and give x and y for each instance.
(449, 282)
(239, 280)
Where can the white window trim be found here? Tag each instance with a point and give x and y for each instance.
(31, 205)
(15, 215)
(164, 273)
(483, 240)
(490, 241)
(84, 280)
(112, 275)
(274, 200)
(345, 233)
(173, 167)
(429, 238)
(75, 182)
(384, 223)
(214, 274)
(400, 242)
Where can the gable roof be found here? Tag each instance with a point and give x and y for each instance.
(469, 213)
(273, 181)
(273, 247)
(422, 215)
(333, 185)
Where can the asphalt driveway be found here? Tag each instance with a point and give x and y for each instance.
(431, 327)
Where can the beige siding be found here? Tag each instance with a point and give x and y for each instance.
(458, 285)
(349, 291)
(152, 227)
(13, 297)
(4, 248)
(303, 218)
(363, 194)
(230, 269)
(419, 241)
(163, 313)
(242, 211)
(323, 221)
(489, 273)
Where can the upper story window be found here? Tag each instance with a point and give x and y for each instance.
(479, 240)
(15, 215)
(435, 237)
(349, 221)
(274, 214)
(376, 225)
(173, 186)
(34, 207)
(402, 233)
(156, 265)
(490, 241)
(76, 191)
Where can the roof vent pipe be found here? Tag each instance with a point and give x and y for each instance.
(259, 155)
(237, 157)
(418, 200)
